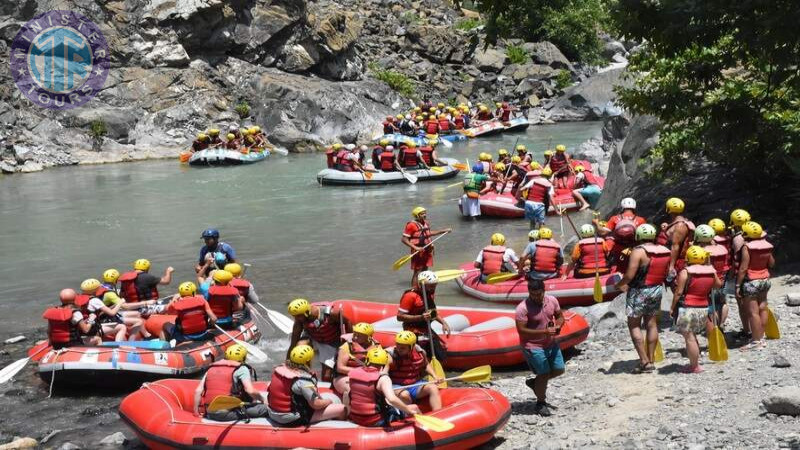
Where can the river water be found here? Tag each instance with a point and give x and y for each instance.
(66, 224)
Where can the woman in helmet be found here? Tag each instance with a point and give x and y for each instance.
(409, 364)
(230, 377)
(292, 396)
(193, 316)
(320, 325)
(417, 236)
(675, 235)
(752, 280)
(108, 318)
(352, 354)
(738, 218)
(496, 257)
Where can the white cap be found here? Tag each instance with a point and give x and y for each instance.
(628, 203)
(350, 146)
(233, 127)
(364, 147)
(408, 116)
(390, 147)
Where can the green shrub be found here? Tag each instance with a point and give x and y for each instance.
(97, 129)
(243, 109)
(563, 79)
(467, 24)
(399, 82)
(517, 55)
(410, 17)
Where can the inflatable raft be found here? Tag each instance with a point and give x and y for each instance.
(489, 128)
(226, 157)
(516, 124)
(161, 415)
(338, 178)
(569, 292)
(127, 364)
(478, 335)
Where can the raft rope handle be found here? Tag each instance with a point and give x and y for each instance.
(53, 374)
(169, 407)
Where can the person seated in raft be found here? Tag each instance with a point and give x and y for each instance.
(231, 143)
(410, 157)
(258, 135)
(496, 258)
(230, 377)
(561, 165)
(545, 255)
(587, 190)
(503, 156)
(201, 143)
(429, 156)
(387, 162)
(408, 364)
(214, 139)
(415, 317)
(504, 112)
(320, 326)
(293, 398)
(445, 125)
(193, 316)
(139, 285)
(348, 159)
(248, 142)
(389, 126)
(590, 255)
(376, 152)
(246, 289)
(129, 312)
(66, 325)
(224, 299)
(371, 401)
(499, 179)
(484, 114)
(213, 245)
(109, 322)
(352, 354)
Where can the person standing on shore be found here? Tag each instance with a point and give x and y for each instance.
(675, 235)
(752, 280)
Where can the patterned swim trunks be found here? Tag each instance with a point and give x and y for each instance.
(691, 320)
(643, 301)
(755, 287)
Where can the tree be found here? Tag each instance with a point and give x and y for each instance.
(722, 77)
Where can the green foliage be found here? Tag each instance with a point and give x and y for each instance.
(243, 109)
(467, 24)
(517, 55)
(563, 79)
(399, 82)
(410, 17)
(571, 25)
(725, 86)
(98, 129)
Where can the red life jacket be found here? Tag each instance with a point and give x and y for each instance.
(357, 353)
(221, 300)
(444, 125)
(658, 266)
(366, 403)
(718, 255)
(128, 289)
(459, 121)
(345, 164)
(219, 381)
(199, 145)
(60, 329)
(387, 160)
(540, 190)
(665, 236)
(410, 157)
(387, 127)
(82, 303)
(407, 370)
(192, 317)
(329, 154)
(485, 115)
(557, 163)
(280, 397)
(624, 231)
(592, 178)
(427, 154)
(422, 234)
(323, 330)
(432, 126)
(590, 247)
(492, 259)
(699, 285)
(545, 258)
(760, 250)
(505, 115)
(242, 285)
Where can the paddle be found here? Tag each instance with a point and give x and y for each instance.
(658, 355)
(433, 423)
(717, 348)
(480, 374)
(771, 330)
(12, 369)
(405, 259)
(411, 178)
(437, 169)
(435, 364)
(597, 292)
(283, 323)
(499, 277)
(446, 143)
(280, 150)
(451, 274)
(460, 166)
(367, 175)
(258, 356)
(185, 156)
(224, 403)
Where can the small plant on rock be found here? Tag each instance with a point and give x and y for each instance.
(399, 82)
(243, 109)
(467, 24)
(97, 130)
(517, 55)
(563, 79)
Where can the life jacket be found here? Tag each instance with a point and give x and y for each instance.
(484, 115)
(280, 397)
(323, 330)
(665, 236)
(199, 145)
(422, 234)
(488, 168)
(624, 231)
(192, 317)
(556, 163)
(410, 157)
(699, 285)
(60, 329)
(367, 405)
(493, 259)
(128, 289)
(427, 155)
(545, 258)
(470, 184)
(219, 381)
(407, 370)
(506, 115)
(444, 125)
(344, 163)
(592, 178)
(242, 285)
(357, 355)
(539, 192)
(459, 122)
(656, 271)
(387, 160)
(329, 154)
(387, 127)
(593, 255)
(221, 300)
(760, 250)
(432, 126)
(719, 258)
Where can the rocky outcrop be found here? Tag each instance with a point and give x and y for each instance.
(590, 100)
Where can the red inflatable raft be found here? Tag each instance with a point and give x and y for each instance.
(126, 364)
(478, 335)
(161, 415)
(569, 292)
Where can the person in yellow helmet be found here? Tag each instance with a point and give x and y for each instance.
(417, 236)
(213, 138)
(140, 285)
(735, 237)
(675, 235)
(538, 194)
(586, 188)
(224, 299)
(484, 114)
(409, 364)
(193, 316)
(331, 154)
(545, 257)
(230, 377)
(352, 354)
(321, 326)
(201, 143)
(496, 257)
(752, 280)
(561, 165)
(232, 142)
(108, 317)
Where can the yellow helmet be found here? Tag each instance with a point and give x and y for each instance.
(377, 357)
(484, 108)
(417, 211)
(302, 354)
(739, 217)
(718, 225)
(111, 275)
(246, 131)
(417, 109)
(234, 268)
(222, 276)
(202, 137)
(675, 205)
(516, 159)
(399, 117)
(485, 157)
(236, 352)
(535, 165)
(337, 146)
(533, 235)
(213, 132)
(255, 129)
(432, 109)
(384, 142)
(502, 152)
(299, 306)
(696, 255)
(547, 172)
(498, 104)
(187, 289)
(89, 285)
(498, 239)
(500, 167)
(579, 168)
(521, 148)
(561, 148)
(411, 144)
(442, 116)
(405, 338)
(440, 105)
(545, 233)
(751, 230)
(364, 328)
(230, 136)
(141, 264)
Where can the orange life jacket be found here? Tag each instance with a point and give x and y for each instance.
(388, 128)
(422, 235)
(593, 256)
(329, 154)
(624, 231)
(280, 397)
(219, 381)
(323, 330)
(459, 122)
(432, 126)
(505, 115)
(493, 259)
(192, 317)
(242, 285)
(344, 163)
(357, 355)
(410, 157)
(407, 370)
(557, 163)
(367, 405)
(427, 154)
(221, 299)
(444, 125)
(718, 255)
(387, 160)
(665, 236)
(545, 258)
(699, 285)
(760, 251)
(128, 289)
(60, 329)
(539, 192)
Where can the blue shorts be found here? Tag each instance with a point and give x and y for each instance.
(534, 211)
(544, 361)
(592, 194)
(412, 391)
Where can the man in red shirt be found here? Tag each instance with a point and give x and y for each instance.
(539, 320)
(416, 236)
(416, 317)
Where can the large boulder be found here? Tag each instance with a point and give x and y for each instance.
(593, 99)
(439, 43)
(296, 59)
(784, 401)
(547, 53)
(330, 31)
(266, 21)
(489, 60)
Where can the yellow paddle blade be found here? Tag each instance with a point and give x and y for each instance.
(185, 156)
(659, 354)
(439, 371)
(771, 330)
(433, 423)
(479, 374)
(500, 277)
(401, 262)
(597, 293)
(449, 274)
(717, 348)
(460, 166)
(437, 169)
(224, 402)
(368, 175)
